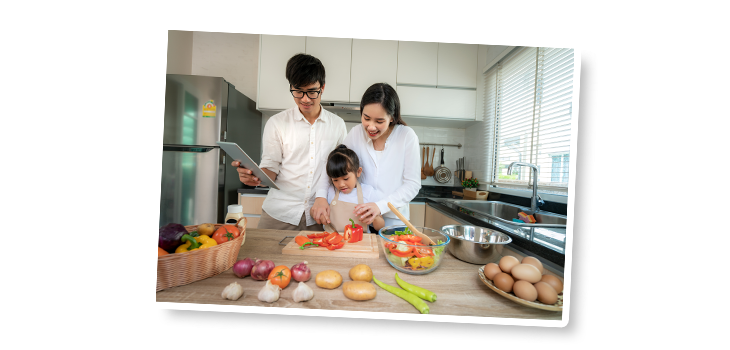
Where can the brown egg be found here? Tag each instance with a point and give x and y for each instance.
(554, 282)
(545, 293)
(507, 263)
(525, 290)
(504, 281)
(533, 261)
(526, 272)
(491, 269)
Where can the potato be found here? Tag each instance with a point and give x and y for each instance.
(359, 290)
(206, 229)
(361, 272)
(329, 279)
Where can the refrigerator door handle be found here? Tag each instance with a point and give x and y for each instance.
(188, 148)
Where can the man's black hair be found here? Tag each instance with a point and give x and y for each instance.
(303, 70)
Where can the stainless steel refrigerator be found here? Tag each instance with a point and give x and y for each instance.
(198, 182)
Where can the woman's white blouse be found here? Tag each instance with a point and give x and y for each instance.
(397, 173)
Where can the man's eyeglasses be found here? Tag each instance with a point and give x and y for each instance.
(311, 94)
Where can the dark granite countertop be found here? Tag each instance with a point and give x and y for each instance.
(540, 250)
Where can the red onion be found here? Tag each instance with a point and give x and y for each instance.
(261, 269)
(242, 268)
(300, 272)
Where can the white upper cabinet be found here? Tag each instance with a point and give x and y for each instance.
(417, 101)
(336, 55)
(274, 52)
(457, 65)
(418, 63)
(373, 61)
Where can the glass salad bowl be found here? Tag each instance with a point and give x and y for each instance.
(405, 252)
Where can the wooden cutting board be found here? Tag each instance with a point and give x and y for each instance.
(368, 248)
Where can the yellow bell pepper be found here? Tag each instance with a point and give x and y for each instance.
(193, 243)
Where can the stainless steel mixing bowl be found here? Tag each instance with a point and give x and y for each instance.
(474, 244)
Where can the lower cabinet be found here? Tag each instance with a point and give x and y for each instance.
(251, 204)
(435, 219)
(418, 213)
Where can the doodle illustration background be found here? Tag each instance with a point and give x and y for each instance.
(77, 95)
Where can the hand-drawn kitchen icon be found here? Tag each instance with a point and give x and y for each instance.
(450, 18)
(536, 15)
(605, 10)
(418, 20)
(345, 10)
(534, 336)
(453, 328)
(132, 16)
(256, 16)
(653, 16)
(580, 204)
(184, 14)
(83, 11)
(371, 328)
(384, 9)
(575, 11)
(371, 27)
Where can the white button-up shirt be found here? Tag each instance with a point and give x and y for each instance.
(296, 151)
(396, 173)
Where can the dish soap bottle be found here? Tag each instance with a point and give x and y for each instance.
(235, 213)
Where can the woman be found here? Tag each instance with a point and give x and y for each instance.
(388, 152)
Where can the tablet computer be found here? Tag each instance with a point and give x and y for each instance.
(238, 154)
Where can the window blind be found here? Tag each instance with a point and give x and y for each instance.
(527, 114)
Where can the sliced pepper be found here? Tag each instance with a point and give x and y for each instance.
(301, 240)
(400, 253)
(336, 246)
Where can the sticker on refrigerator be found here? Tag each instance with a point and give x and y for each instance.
(209, 109)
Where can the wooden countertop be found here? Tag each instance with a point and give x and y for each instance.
(456, 283)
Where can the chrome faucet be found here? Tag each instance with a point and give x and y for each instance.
(535, 201)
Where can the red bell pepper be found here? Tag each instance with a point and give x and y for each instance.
(402, 254)
(336, 246)
(320, 242)
(354, 231)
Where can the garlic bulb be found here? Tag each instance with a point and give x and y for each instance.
(270, 292)
(302, 293)
(232, 291)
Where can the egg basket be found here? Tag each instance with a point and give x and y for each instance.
(183, 268)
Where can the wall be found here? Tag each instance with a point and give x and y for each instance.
(234, 57)
(179, 52)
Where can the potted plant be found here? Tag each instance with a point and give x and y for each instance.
(470, 186)
(470, 183)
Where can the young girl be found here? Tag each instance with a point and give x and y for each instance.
(343, 167)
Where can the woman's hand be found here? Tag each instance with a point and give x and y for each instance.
(320, 211)
(245, 175)
(367, 212)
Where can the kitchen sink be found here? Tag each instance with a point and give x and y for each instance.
(549, 229)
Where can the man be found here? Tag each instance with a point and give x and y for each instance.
(296, 143)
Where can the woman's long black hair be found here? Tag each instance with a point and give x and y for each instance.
(385, 95)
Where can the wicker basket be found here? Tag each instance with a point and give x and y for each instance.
(183, 268)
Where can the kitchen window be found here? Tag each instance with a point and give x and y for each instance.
(527, 117)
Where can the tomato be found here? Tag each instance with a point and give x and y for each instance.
(226, 233)
(280, 276)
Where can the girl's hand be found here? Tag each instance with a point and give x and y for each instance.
(320, 211)
(367, 212)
